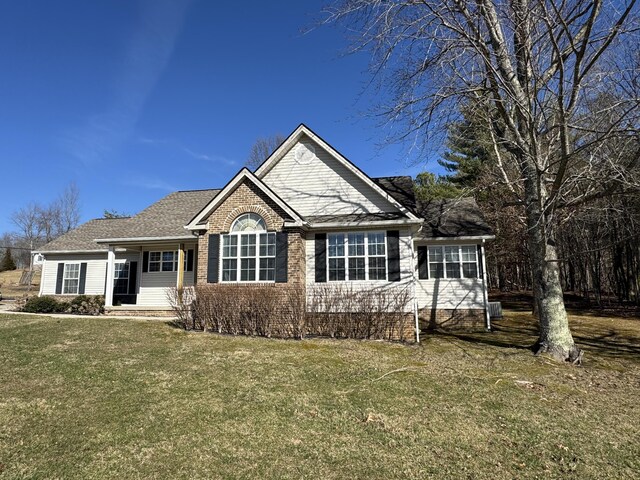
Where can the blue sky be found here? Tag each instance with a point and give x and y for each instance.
(134, 99)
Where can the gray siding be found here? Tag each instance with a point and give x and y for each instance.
(96, 270)
(323, 187)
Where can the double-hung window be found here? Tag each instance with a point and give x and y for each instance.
(357, 256)
(71, 278)
(248, 251)
(453, 261)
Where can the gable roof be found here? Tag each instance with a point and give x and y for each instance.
(244, 174)
(302, 130)
(164, 218)
(448, 218)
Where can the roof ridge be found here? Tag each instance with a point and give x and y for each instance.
(196, 190)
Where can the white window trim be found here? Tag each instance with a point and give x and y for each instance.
(366, 256)
(64, 277)
(461, 262)
(238, 258)
(175, 261)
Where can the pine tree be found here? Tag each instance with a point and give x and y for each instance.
(7, 262)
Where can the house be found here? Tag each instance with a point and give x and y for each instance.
(307, 216)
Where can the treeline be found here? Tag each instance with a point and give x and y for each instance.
(598, 239)
(37, 224)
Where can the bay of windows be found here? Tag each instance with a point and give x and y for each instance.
(457, 261)
(357, 256)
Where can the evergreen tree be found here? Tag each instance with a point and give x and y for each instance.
(7, 262)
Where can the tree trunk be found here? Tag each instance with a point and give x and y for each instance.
(555, 337)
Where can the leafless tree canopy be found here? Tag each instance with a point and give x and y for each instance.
(262, 148)
(556, 81)
(39, 224)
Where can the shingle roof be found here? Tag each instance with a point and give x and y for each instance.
(168, 216)
(165, 218)
(452, 218)
(82, 238)
(354, 217)
(400, 188)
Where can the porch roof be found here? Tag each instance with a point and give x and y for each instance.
(161, 221)
(459, 217)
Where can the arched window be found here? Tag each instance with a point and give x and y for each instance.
(248, 222)
(248, 251)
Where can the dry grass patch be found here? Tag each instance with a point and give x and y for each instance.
(119, 398)
(10, 284)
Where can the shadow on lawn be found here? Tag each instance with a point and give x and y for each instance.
(616, 339)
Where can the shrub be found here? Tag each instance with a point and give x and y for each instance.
(44, 305)
(285, 311)
(86, 305)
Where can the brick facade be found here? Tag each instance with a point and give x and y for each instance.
(248, 198)
(452, 319)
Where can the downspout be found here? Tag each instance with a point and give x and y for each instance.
(485, 294)
(413, 284)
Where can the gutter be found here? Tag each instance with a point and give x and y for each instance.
(454, 238)
(143, 239)
(372, 223)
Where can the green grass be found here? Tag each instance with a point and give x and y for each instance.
(98, 398)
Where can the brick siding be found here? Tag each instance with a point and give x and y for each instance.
(452, 319)
(247, 198)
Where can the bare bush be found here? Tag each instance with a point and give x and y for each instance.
(337, 311)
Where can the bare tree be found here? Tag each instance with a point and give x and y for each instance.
(28, 221)
(262, 148)
(546, 67)
(38, 224)
(68, 206)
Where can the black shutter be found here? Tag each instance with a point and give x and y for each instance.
(145, 262)
(59, 276)
(212, 259)
(189, 254)
(423, 263)
(393, 255)
(83, 278)
(480, 272)
(321, 257)
(282, 256)
(133, 277)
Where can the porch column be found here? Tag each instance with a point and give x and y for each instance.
(108, 290)
(180, 279)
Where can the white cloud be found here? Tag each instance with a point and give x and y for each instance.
(146, 58)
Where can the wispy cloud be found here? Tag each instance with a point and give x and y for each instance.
(146, 58)
(150, 184)
(176, 145)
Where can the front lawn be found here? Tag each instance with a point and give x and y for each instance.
(99, 398)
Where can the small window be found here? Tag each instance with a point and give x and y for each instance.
(248, 222)
(453, 261)
(165, 261)
(71, 278)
